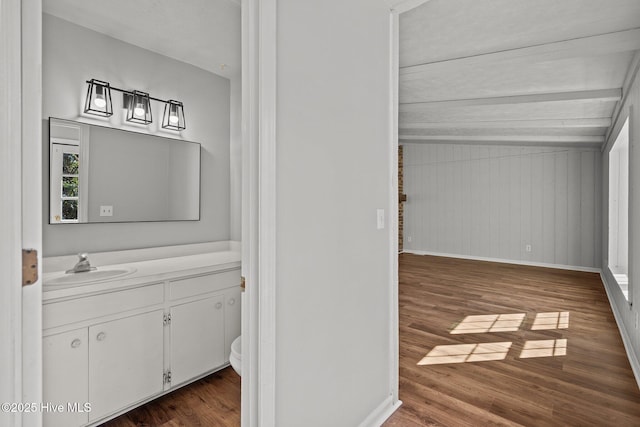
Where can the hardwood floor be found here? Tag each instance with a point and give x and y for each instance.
(519, 370)
(211, 401)
(530, 368)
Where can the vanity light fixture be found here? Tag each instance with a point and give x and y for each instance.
(137, 103)
(139, 108)
(173, 117)
(98, 100)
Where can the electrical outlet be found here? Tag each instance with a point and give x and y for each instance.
(527, 248)
(409, 239)
(106, 210)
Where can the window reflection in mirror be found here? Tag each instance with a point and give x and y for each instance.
(102, 174)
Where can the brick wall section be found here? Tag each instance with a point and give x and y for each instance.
(400, 205)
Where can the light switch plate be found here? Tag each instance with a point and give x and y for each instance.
(380, 219)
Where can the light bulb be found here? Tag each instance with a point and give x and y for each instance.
(173, 119)
(99, 101)
(138, 111)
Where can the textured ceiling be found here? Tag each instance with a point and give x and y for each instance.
(204, 33)
(542, 72)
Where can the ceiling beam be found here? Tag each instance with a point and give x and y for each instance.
(604, 122)
(506, 138)
(621, 41)
(586, 95)
(401, 6)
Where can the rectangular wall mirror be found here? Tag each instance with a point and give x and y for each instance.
(101, 174)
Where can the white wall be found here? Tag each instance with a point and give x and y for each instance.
(72, 55)
(333, 280)
(492, 201)
(626, 311)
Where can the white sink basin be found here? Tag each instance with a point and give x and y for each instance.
(89, 277)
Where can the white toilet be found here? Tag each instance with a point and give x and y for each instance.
(235, 358)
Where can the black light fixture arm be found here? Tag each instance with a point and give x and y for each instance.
(130, 92)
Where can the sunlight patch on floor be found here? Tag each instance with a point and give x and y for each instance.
(489, 323)
(544, 348)
(461, 353)
(553, 320)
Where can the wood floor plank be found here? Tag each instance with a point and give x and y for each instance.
(590, 385)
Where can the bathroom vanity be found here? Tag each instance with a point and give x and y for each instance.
(164, 318)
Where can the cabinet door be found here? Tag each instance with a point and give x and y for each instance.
(125, 362)
(65, 368)
(197, 338)
(232, 318)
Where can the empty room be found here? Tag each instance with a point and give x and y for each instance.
(518, 213)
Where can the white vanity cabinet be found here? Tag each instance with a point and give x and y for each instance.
(232, 318)
(197, 338)
(125, 362)
(118, 347)
(201, 322)
(66, 369)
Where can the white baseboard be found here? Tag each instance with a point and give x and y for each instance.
(506, 261)
(381, 413)
(626, 340)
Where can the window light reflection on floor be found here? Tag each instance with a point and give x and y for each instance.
(461, 353)
(489, 323)
(553, 320)
(544, 348)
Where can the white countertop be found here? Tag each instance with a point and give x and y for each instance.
(166, 264)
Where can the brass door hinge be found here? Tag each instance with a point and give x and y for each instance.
(243, 282)
(29, 266)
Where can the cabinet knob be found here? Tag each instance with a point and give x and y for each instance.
(101, 336)
(76, 343)
(232, 301)
(219, 305)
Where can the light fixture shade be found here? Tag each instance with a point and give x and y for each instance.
(173, 117)
(139, 108)
(98, 100)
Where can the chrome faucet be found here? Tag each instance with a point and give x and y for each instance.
(83, 265)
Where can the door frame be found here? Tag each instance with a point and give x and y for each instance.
(10, 210)
(21, 210)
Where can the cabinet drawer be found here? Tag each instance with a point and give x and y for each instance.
(202, 284)
(76, 310)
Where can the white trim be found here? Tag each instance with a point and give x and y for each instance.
(267, 220)
(250, 377)
(394, 345)
(506, 261)
(626, 340)
(83, 178)
(10, 209)
(381, 413)
(32, 192)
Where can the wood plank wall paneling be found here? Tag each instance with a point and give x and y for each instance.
(492, 201)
